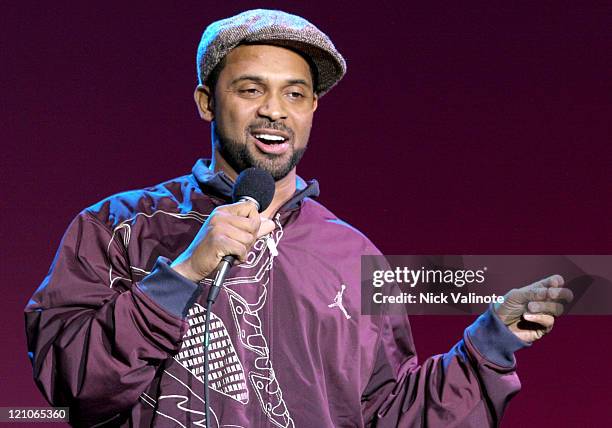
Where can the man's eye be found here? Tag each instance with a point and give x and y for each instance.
(249, 91)
(296, 95)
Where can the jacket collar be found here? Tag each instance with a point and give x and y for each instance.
(220, 185)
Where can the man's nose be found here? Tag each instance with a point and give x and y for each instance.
(273, 107)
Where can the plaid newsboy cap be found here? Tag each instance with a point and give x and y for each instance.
(272, 27)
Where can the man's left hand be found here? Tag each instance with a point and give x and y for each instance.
(530, 312)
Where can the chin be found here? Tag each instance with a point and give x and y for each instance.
(278, 173)
(278, 167)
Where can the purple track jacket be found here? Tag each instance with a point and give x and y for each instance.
(116, 334)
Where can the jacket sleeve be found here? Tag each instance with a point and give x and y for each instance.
(469, 386)
(95, 338)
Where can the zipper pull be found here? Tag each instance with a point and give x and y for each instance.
(271, 245)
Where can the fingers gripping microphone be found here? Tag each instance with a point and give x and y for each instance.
(253, 185)
(256, 186)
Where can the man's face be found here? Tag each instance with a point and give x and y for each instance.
(262, 109)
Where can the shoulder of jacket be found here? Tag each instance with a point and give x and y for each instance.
(326, 221)
(172, 196)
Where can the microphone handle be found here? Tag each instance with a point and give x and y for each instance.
(222, 270)
(226, 263)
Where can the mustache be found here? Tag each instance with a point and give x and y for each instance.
(266, 124)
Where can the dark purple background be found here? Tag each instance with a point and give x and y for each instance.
(458, 130)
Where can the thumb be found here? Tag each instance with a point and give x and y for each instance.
(266, 226)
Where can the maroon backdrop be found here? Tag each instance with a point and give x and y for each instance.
(475, 129)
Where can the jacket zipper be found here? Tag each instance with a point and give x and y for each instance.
(273, 248)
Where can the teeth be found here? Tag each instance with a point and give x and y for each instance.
(269, 137)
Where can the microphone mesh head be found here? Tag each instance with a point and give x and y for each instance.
(254, 183)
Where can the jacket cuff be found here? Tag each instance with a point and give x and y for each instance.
(169, 289)
(494, 340)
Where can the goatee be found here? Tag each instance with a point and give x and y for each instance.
(240, 157)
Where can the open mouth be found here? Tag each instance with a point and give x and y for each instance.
(275, 143)
(269, 138)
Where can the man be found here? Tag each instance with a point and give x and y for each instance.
(115, 330)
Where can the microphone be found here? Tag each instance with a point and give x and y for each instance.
(255, 186)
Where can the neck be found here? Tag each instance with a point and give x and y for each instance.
(284, 188)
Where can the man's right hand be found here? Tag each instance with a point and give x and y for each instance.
(229, 230)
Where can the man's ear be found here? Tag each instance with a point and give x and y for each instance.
(205, 102)
(315, 102)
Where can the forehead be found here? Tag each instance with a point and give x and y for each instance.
(266, 61)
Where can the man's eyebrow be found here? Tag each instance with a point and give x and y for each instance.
(298, 82)
(253, 78)
(259, 79)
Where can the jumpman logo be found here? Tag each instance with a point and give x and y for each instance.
(338, 302)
